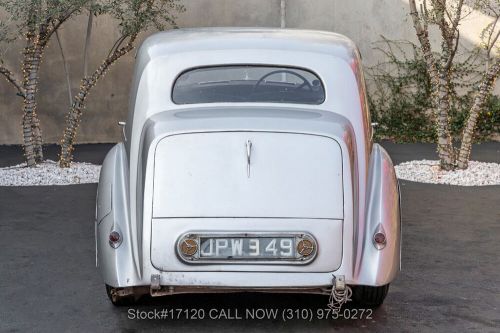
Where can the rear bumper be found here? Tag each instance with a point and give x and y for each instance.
(233, 282)
(248, 280)
(174, 290)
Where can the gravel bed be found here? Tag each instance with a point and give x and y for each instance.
(422, 171)
(426, 171)
(48, 173)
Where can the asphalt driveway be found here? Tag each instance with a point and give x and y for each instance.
(449, 282)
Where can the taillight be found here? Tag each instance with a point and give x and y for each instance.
(115, 239)
(379, 238)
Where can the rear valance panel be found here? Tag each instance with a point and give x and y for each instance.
(248, 174)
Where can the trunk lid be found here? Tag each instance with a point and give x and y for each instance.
(217, 174)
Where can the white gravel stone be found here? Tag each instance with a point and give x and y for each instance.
(425, 171)
(48, 173)
(422, 171)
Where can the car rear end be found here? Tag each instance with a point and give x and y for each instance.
(262, 179)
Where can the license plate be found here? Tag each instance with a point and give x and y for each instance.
(247, 248)
(196, 248)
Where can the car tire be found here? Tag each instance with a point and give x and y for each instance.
(119, 300)
(369, 296)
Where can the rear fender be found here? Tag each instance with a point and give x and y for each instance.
(115, 264)
(379, 266)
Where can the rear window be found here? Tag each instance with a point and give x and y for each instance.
(246, 83)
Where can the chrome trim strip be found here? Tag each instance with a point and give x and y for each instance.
(249, 156)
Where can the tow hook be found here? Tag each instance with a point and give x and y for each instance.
(340, 294)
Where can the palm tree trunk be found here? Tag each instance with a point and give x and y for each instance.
(444, 141)
(33, 51)
(484, 91)
(75, 112)
(41, 42)
(440, 87)
(72, 122)
(31, 125)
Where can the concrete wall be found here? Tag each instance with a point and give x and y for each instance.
(361, 20)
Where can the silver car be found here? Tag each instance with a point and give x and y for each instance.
(248, 164)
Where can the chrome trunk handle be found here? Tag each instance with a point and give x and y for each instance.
(249, 156)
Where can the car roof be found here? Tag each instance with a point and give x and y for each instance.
(227, 39)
